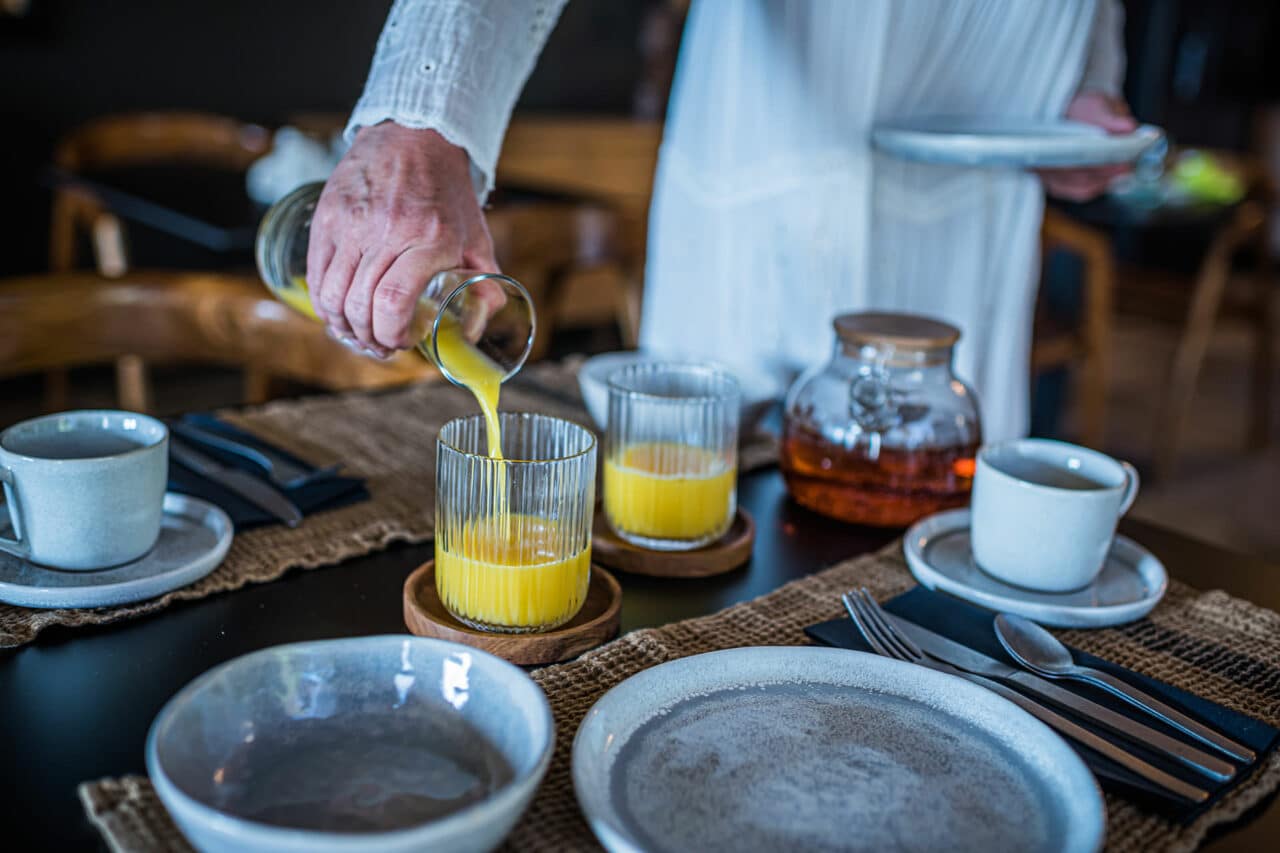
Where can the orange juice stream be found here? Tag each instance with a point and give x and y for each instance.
(512, 570)
(508, 572)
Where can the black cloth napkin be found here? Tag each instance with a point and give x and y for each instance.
(972, 626)
(323, 493)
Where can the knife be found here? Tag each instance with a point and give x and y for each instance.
(1078, 733)
(283, 472)
(240, 482)
(964, 658)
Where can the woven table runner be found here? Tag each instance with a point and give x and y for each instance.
(1219, 647)
(386, 438)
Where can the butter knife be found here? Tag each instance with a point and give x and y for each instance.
(281, 471)
(241, 483)
(1077, 733)
(964, 658)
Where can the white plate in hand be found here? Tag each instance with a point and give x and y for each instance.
(803, 748)
(194, 537)
(1010, 142)
(1131, 583)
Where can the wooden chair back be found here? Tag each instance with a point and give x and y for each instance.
(119, 141)
(58, 321)
(139, 139)
(179, 138)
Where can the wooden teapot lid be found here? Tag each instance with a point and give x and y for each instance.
(906, 331)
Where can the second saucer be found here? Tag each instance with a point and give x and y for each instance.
(1131, 583)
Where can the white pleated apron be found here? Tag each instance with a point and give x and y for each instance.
(772, 214)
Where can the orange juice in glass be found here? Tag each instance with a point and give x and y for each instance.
(671, 455)
(513, 532)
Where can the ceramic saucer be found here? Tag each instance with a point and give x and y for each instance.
(194, 537)
(1130, 584)
(1010, 142)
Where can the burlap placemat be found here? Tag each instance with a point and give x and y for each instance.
(1216, 646)
(386, 438)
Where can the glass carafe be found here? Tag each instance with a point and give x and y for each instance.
(884, 433)
(453, 309)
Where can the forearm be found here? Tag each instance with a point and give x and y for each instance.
(1105, 64)
(456, 67)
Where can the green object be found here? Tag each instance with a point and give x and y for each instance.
(1202, 177)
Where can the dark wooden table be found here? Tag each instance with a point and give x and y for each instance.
(76, 704)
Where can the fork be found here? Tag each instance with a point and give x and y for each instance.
(878, 629)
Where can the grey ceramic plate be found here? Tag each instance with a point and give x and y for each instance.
(824, 749)
(1010, 142)
(1131, 583)
(194, 537)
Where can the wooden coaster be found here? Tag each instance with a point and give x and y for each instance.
(596, 623)
(732, 550)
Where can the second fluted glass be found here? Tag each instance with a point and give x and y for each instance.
(513, 535)
(671, 455)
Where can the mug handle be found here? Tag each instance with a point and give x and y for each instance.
(15, 545)
(1131, 483)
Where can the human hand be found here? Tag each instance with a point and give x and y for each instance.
(398, 209)
(1110, 114)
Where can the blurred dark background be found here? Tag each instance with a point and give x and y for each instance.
(1196, 67)
(67, 61)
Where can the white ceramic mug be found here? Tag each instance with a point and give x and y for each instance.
(84, 490)
(1044, 512)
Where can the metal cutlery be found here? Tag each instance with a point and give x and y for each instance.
(882, 634)
(247, 486)
(283, 472)
(1041, 652)
(962, 657)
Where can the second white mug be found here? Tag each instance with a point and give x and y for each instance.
(1044, 513)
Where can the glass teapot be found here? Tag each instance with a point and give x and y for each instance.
(453, 311)
(884, 433)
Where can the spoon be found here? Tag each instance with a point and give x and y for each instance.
(1042, 653)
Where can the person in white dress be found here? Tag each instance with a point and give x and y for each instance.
(771, 213)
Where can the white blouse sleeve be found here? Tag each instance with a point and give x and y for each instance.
(1104, 67)
(456, 67)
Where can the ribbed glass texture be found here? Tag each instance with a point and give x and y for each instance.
(671, 454)
(513, 535)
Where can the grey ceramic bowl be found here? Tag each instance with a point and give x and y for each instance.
(392, 743)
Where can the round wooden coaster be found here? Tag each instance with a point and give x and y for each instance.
(732, 550)
(596, 622)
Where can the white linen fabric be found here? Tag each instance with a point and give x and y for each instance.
(456, 67)
(771, 213)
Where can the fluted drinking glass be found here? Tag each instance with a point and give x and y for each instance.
(513, 535)
(671, 454)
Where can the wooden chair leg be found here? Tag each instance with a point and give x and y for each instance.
(70, 208)
(132, 389)
(57, 390)
(549, 284)
(1096, 371)
(628, 309)
(1174, 410)
(257, 386)
(1264, 351)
